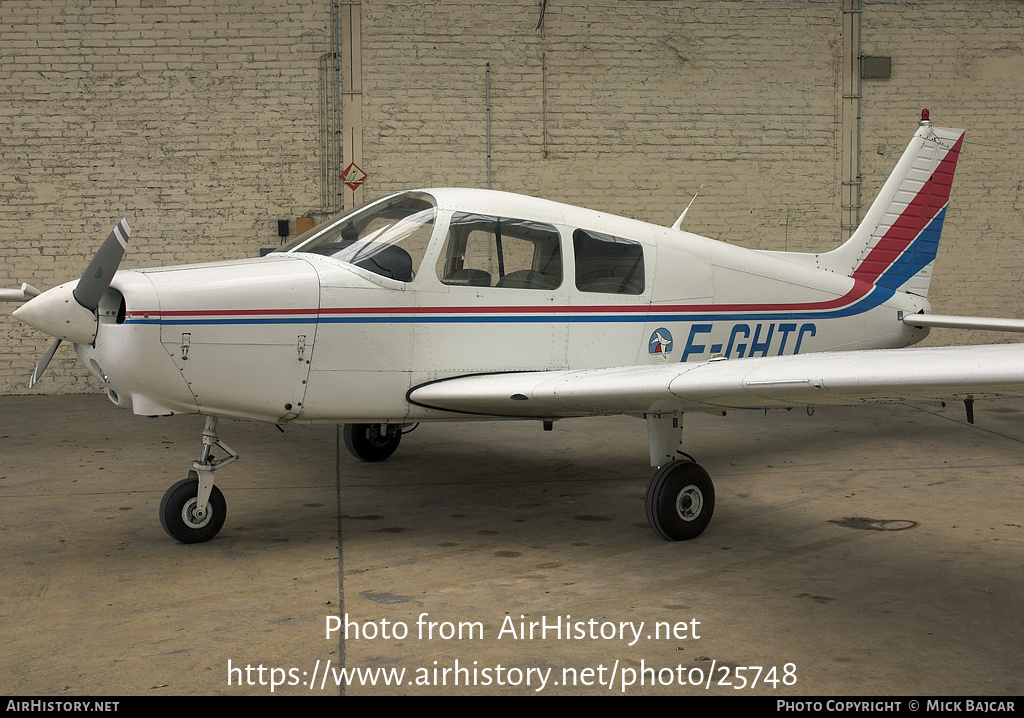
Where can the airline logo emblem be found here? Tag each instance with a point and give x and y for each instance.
(660, 344)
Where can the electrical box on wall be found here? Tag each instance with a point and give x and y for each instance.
(875, 67)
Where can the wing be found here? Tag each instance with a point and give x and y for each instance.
(827, 378)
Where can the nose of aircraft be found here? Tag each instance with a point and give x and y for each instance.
(69, 310)
(57, 313)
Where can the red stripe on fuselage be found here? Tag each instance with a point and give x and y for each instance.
(858, 291)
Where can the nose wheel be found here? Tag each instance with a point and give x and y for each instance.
(193, 510)
(181, 516)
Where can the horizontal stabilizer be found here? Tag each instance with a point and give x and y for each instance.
(992, 324)
(26, 292)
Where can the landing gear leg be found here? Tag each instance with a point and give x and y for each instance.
(680, 499)
(372, 442)
(193, 510)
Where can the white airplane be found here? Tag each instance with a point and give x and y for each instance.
(458, 304)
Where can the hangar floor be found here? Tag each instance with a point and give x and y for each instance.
(872, 551)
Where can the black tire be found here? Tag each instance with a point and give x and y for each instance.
(680, 501)
(176, 505)
(369, 442)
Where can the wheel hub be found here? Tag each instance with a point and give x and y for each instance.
(689, 502)
(193, 518)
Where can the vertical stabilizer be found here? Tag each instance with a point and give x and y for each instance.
(896, 243)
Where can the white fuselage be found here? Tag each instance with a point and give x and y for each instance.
(303, 336)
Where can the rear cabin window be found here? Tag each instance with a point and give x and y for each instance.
(606, 264)
(483, 251)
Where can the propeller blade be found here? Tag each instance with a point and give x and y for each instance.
(41, 366)
(100, 271)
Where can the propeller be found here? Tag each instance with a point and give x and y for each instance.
(100, 271)
(69, 310)
(43, 363)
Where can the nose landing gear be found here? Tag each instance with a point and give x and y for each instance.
(180, 514)
(193, 510)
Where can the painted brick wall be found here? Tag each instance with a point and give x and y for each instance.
(196, 120)
(622, 106)
(965, 62)
(200, 122)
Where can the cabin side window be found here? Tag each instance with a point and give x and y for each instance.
(607, 264)
(482, 251)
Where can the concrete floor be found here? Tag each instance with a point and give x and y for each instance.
(876, 551)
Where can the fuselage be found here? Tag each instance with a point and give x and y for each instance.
(340, 325)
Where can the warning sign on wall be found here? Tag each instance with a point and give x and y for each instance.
(353, 176)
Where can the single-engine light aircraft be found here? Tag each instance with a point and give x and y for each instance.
(458, 304)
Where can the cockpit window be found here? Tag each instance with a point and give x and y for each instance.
(607, 264)
(387, 238)
(483, 251)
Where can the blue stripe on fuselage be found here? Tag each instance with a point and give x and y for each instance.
(878, 296)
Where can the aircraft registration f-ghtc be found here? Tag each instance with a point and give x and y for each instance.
(456, 304)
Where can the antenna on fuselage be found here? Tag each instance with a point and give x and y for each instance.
(678, 223)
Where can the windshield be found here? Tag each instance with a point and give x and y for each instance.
(388, 238)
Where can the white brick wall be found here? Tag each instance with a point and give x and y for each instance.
(199, 121)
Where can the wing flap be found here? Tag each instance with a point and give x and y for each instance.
(832, 378)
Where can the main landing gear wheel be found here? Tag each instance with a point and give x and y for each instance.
(372, 442)
(680, 500)
(178, 511)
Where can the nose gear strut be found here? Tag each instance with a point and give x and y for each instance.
(193, 510)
